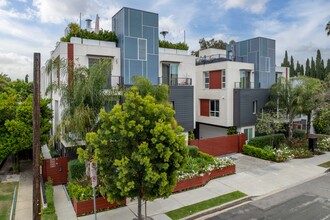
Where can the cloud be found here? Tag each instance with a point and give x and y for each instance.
(299, 29)
(15, 65)
(253, 6)
(3, 3)
(50, 11)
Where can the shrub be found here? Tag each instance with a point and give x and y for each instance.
(81, 190)
(301, 153)
(258, 152)
(201, 164)
(263, 141)
(296, 143)
(193, 150)
(232, 130)
(167, 44)
(191, 136)
(324, 144)
(299, 133)
(76, 169)
(53, 152)
(283, 153)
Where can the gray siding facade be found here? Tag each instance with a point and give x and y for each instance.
(261, 52)
(137, 33)
(243, 105)
(182, 98)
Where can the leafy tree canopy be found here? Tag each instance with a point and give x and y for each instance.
(138, 149)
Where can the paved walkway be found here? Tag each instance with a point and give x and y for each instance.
(24, 196)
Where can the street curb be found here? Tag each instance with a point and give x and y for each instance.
(220, 208)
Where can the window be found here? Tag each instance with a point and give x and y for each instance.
(142, 48)
(223, 79)
(249, 133)
(92, 61)
(206, 80)
(214, 108)
(267, 64)
(244, 79)
(174, 73)
(255, 107)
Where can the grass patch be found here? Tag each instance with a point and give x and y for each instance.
(49, 212)
(325, 165)
(197, 207)
(6, 196)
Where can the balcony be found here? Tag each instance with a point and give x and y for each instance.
(244, 85)
(211, 59)
(181, 81)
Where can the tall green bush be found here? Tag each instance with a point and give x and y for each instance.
(76, 169)
(263, 141)
(193, 150)
(179, 46)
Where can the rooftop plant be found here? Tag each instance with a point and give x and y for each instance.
(179, 46)
(75, 31)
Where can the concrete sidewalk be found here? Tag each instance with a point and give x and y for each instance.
(254, 177)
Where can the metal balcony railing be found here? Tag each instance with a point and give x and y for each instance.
(244, 85)
(211, 59)
(114, 82)
(181, 81)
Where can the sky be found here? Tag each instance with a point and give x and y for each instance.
(29, 26)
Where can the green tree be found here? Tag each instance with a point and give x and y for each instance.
(327, 69)
(292, 69)
(138, 150)
(308, 68)
(327, 28)
(283, 98)
(23, 89)
(269, 124)
(286, 62)
(298, 68)
(302, 69)
(17, 127)
(319, 66)
(212, 43)
(313, 68)
(310, 95)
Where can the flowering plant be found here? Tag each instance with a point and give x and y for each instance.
(324, 144)
(283, 153)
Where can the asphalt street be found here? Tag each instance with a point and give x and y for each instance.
(307, 201)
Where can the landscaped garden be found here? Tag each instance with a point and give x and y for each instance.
(284, 149)
(199, 169)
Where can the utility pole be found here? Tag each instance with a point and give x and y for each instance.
(36, 136)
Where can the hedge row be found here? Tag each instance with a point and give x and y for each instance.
(76, 169)
(258, 152)
(263, 141)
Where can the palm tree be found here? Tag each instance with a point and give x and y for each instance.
(327, 28)
(283, 98)
(82, 99)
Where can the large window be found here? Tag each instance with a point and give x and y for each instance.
(214, 108)
(223, 72)
(206, 76)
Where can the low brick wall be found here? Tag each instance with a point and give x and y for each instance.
(221, 145)
(202, 180)
(87, 206)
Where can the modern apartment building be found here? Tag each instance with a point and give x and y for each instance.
(137, 53)
(232, 86)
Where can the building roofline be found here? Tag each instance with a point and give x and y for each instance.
(134, 10)
(256, 38)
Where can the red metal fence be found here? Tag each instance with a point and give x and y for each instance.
(221, 145)
(56, 169)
